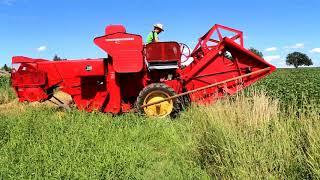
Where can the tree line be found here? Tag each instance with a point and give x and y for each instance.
(295, 59)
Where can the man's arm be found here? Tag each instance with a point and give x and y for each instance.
(156, 39)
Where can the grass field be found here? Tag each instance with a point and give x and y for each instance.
(6, 93)
(260, 136)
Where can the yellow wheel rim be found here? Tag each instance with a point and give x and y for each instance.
(160, 110)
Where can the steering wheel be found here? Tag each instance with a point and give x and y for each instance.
(185, 52)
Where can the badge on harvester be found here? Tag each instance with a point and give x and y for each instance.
(88, 68)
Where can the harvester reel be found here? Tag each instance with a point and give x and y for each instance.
(154, 93)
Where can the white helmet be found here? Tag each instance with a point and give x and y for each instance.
(160, 26)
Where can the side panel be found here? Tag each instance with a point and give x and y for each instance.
(71, 70)
(84, 80)
(125, 50)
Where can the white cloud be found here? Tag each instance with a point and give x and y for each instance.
(296, 46)
(271, 49)
(272, 58)
(7, 2)
(315, 50)
(42, 48)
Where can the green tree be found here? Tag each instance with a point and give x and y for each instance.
(6, 68)
(57, 58)
(298, 59)
(255, 51)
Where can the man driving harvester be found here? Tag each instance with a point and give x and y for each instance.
(153, 36)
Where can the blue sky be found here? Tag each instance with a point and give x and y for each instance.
(42, 28)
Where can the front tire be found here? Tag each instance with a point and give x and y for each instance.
(156, 92)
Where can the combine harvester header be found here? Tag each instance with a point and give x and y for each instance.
(148, 78)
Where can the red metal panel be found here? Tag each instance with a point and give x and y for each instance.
(76, 68)
(28, 75)
(125, 50)
(240, 51)
(22, 59)
(114, 97)
(111, 29)
(163, 52)
(32, 94)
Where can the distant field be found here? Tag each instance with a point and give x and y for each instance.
(260, 136)
(298, 87)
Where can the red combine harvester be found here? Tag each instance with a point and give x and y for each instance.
(148, 78)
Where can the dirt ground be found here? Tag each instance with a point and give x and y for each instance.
(65, 98)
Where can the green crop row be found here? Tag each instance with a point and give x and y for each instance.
(297, 87)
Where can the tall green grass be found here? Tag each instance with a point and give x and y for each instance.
(241, 138)
(251, 139)
(6, 92)
(40, 142)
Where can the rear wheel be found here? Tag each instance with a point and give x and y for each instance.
(154, 93)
